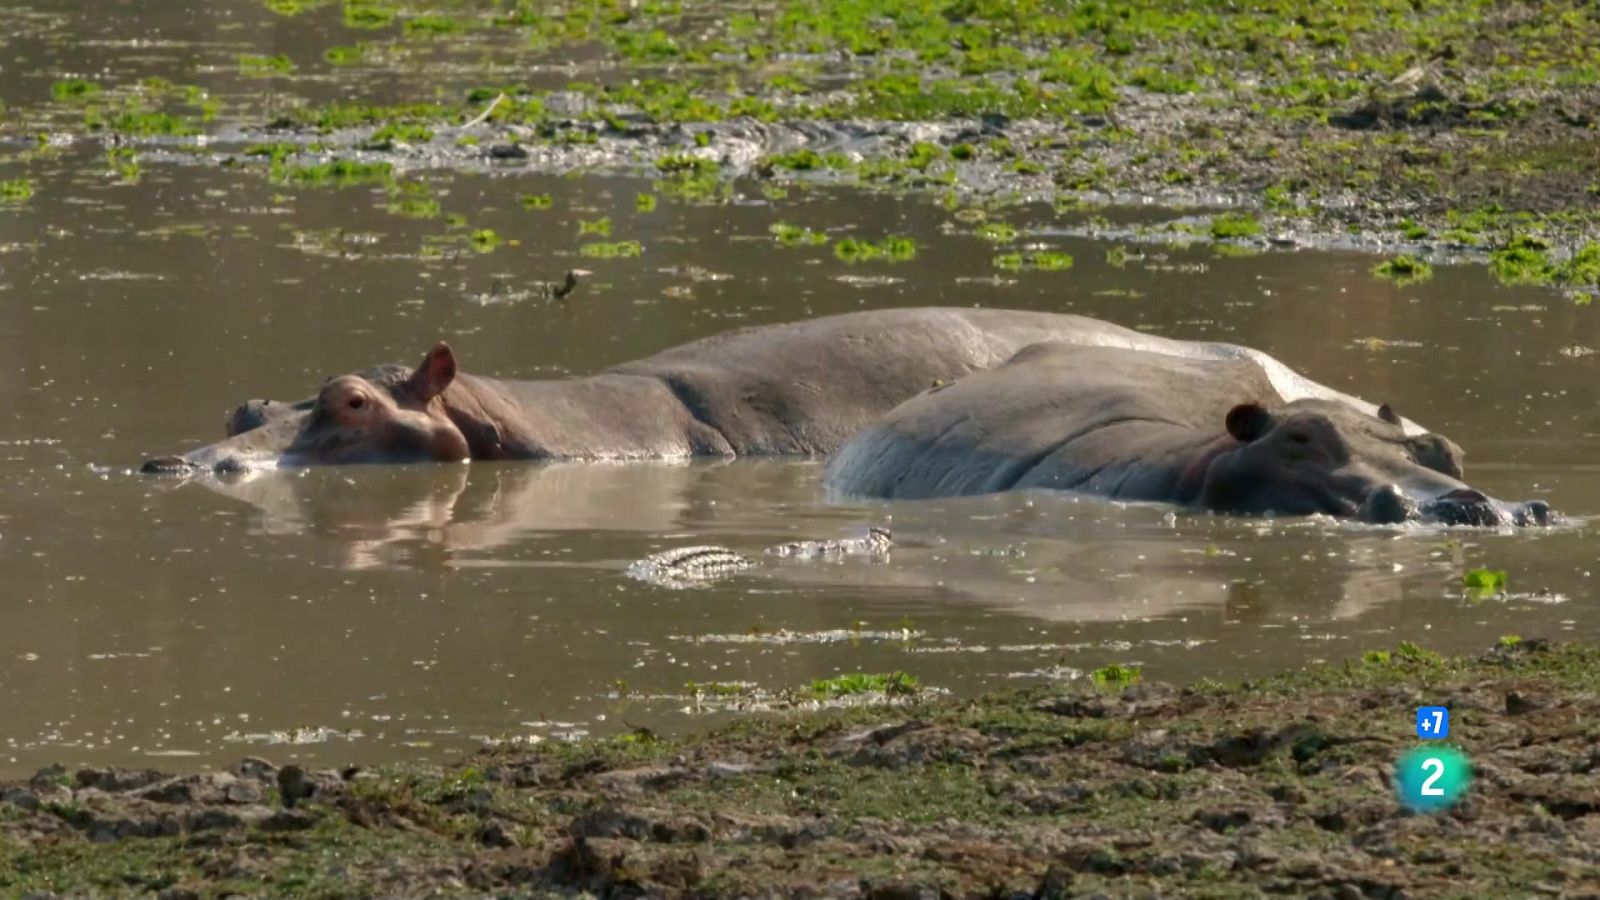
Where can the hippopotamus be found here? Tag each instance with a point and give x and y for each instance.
(795, 388)
(1221, 434)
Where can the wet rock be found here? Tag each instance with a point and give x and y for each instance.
(1080, 707)
(254, 768)
(507, 152)
(20, 797)
(115, 781)
(494, 833)
(614, 822)
(1223, 821)
(635, 780)
(49, 777)
(1520, 704)
(288, 820)
(296, 784)
(899, 891)
(724, 769)
(921, 746)
(211, 787)
(784, 831)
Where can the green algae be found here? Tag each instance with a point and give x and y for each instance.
(412, 200)
(795, 236)
(16, 191)
(1521, 260)
(484, 240)
(1235, 225)
(258, 65)
(855, 683)
(1404, 269)
(608, 250)
(338, 173)
(1036, 260)
(890, 249)
(75, 90)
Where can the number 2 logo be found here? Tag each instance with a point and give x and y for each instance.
(1436, 766)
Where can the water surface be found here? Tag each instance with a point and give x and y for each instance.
(398, 613)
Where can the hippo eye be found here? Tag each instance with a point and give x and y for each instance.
(357, 402)
(1300, 437)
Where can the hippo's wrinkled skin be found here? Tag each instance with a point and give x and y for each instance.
(797, 388)
(1212, 434)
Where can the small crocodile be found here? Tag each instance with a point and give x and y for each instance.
(683, 567)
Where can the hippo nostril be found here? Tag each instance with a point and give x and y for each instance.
(229, 465)
(1535, 512)
(1387, 505)
(1466, 495)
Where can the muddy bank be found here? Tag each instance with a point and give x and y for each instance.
(1447, 131)
(1281, 786)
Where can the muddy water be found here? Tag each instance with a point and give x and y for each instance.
(397, 613)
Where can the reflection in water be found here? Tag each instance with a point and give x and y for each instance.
(393, 613)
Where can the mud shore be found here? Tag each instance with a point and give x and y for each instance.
(1458, 130)
(1281, 786)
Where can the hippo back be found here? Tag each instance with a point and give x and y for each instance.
(1108, 420)
(805, 387)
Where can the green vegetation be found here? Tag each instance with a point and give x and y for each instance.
(74, 90)
(1521, 261)
(1404, 269)
(369, 14)
(537, 201)
(1116, 677)
(617, 250)
(399, 133)
(259, 66)
(125, 162)
(1490, 580)
(17, 190)
(1234, 225)
(795, 236)
(412, 200)
(1041, 260)
(1125, 783)
(1490, 147)
(433, 25)
(600, 227)
(892, 683)
(645, 203)
(889, 249)
(346, 56)
(484, 240)
(998, 232)
(339, 173)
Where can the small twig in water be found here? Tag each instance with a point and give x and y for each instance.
(480, 118)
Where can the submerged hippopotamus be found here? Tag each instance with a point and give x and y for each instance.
(796, 388)
(1218, 434)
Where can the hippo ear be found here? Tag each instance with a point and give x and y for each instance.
(1248, 421)
(1387, 413)
(438, 369)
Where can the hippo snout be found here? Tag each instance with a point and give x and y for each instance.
(168, 465)
(1535, 513)
(1465, 506)
(177, 465)
(1389, 505)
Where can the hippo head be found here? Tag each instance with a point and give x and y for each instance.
(1321, 456)
(385, 415)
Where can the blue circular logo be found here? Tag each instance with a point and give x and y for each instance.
(1432, 778)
